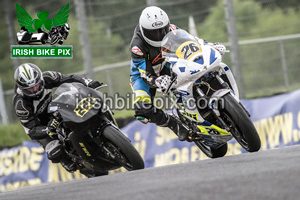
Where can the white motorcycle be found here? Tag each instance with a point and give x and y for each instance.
(207, 95)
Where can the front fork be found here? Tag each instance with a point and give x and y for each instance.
(215, 111)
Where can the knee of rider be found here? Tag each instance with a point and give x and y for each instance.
(142, 108)
(54, 150)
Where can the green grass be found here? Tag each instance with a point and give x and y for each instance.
(123, 113)
(267, 92)
(12, 135)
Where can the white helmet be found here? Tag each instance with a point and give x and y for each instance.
(67, 27)
(154, 24)
(30, 80)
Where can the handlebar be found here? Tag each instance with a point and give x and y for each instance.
(101, 86)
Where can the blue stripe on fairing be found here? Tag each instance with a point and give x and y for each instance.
(213, 57)
(205, 123)
(199, 60)
(182, 69)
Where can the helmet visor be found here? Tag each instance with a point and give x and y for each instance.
(34, 90)
(156, 34)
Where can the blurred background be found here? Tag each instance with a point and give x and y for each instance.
(263, 36)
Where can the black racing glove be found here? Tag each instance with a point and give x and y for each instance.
(94, 84)
(52, 126)
(149, 79)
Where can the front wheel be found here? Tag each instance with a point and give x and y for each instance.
(121, 149)
(241, 126)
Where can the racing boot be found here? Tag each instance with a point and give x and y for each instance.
(177, 127)
(68, 164)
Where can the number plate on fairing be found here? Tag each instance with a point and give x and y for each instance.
(188, 49)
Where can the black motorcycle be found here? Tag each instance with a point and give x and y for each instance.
(89, 133)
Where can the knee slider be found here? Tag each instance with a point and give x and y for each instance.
(54, 151)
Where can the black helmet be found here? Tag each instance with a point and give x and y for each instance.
(30, 80)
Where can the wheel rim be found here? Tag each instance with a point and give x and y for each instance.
(234, 130)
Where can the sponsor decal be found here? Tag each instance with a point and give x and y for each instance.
(157, 24)
(137, 51)
(173, 27)
(159, 56)
(84, 149)
(84, 106)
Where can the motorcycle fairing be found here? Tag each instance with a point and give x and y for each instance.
(76, 103)
(190, 62)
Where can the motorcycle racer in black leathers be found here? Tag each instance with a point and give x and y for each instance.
(32, 96)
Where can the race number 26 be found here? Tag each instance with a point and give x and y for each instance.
(189, 50)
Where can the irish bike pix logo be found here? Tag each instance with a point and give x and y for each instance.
(42, 37)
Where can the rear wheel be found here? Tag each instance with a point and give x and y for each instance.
(241, 126)
(121, 149)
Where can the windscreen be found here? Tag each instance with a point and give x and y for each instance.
(180, 44)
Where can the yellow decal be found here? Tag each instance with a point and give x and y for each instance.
(191, 115)
(84, 106)
(142, 98)
(84, 149)
(188, 49)
(204, 130)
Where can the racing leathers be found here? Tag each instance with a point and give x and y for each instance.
(147, 65)
(35, 118)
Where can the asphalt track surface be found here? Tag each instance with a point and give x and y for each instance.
(270, 174)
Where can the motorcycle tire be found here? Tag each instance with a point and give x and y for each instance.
(240, 124)
(211, 152)
(127, 155)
